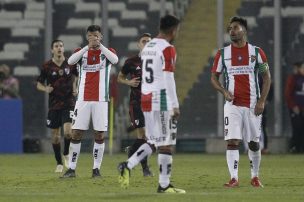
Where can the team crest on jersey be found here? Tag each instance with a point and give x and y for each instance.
(138, 68)
(54, 73)
(252, 58)
(60, 72)
(239, 58)
(67, 70)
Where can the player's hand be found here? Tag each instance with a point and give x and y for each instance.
(228, 96)
(94, 42)
(134, 82)
(176, 113)
(75, 92)
(49, 88)
(259, 107)
(296, 110)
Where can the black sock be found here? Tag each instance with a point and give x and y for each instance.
(66, 146)
(134, 148)
(56, 148)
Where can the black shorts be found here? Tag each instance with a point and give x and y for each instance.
(136, 116)
(56, 118)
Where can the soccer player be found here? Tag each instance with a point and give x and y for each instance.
(133, 67)
(160, 105)
(241, 63)
(95, 61)
(57, 79)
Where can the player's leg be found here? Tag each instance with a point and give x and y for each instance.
(253, 132)
(165, 144)
(67, 131)
(80, 123)
(100, 124)
(53, 122)
(233, 134)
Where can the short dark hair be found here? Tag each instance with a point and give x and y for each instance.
(298, 64)
(240, 20)
(168, 22)
(55, 41)
(144, 35)
(94, 28)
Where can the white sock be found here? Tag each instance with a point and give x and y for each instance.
(74, 154)
(255, 160)
(143, 151)
(165, 165)
(233, 157)
(98, 151)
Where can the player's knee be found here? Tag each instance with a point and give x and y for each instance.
(76, 135)
(99, 138)
(165, 150)
(254, 146)
(67, 135)
(233, 144)
(55, 137)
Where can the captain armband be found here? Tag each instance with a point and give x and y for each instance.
(263, 67)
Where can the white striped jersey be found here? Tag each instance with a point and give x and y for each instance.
(94, 76)
(241, 67)
(158, 57)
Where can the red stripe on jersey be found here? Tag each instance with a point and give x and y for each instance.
(146, 102)
(94, 57)
(239, 56)
(216, 61)
(76, 50)
(170, 55)
(241, 90)
(263, 56)
(113, 50)
(91, 87)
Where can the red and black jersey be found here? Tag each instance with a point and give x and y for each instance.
(61, 79)
(132, 67)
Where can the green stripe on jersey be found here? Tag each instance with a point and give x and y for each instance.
(225, 70)
(256, 73)
(107, 81)
(163, 100)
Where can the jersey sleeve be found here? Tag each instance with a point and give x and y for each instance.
(113, 50)
(170, 58)
(217, 66)
(43, 74)
(126, 68)
(262, 61)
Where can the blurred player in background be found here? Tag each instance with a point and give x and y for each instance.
(241, 63)
(95, 62)
(57, 78)
(160, 105)
(133, 68)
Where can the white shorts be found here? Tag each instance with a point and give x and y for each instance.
(160, 128)
(83, 112)
(241, 123)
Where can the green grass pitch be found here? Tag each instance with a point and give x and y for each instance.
(32, 178)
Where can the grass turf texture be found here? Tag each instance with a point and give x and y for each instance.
(32, 178)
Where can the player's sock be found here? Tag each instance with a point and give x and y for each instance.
(74, 154)
(142, 152)
(98, 151)
(255, 159)
(66, 146)
(57, 152)
(233, 157)
(164, 163)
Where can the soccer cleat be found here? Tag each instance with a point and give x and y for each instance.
(59, 168)
(70, 173)
(124, 175)
(255, 182)
(170, 189)
(66, 161)
(147, 172)
(232, 183)
(95, 173)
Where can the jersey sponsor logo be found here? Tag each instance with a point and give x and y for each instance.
(149, 53)
(240, 70)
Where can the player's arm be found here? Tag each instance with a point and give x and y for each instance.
(219, 87)
(76, 56)
(75, 85)
(122, 78)
(110, 54)
(44, 88)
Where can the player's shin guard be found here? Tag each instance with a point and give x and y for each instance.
(98, 151)
(255, 160)
(233, 157)
(165, 164)
(74, 154)
(142, 152)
